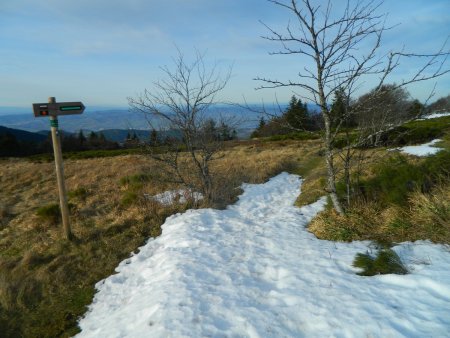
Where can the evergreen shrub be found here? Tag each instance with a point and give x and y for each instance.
(386, 262)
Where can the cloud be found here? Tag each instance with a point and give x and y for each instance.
(93, 38)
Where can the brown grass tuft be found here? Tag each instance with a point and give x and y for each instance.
(46, 283)
(428, 217)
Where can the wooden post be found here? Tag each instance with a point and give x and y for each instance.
(60, 173)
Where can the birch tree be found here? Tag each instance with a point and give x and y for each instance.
(179, 104)
(339, 47)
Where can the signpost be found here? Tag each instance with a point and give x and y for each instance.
(54, 110)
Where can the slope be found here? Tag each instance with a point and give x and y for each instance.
(253, 270)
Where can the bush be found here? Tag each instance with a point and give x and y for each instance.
(416, 132)
(302, 136)
(51, 213)
(128, 198)
(135, 181)
(396, 178)
(79, 155)
(385, 262)
(80, 193)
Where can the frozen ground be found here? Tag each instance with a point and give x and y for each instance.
(435, 115)
(176, 196)
(425, 149)
(253, 270)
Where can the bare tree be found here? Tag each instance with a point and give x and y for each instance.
(333, 45)
(179, 105)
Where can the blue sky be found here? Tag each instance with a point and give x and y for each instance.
(102, 51)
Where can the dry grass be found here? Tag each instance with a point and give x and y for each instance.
(45, 282)
(428, 217)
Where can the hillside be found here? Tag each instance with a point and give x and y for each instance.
(110, 218)
(46, 283)
(254, 270)
(22, 135)
(97, 120)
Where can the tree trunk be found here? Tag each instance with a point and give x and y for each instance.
(331, 175)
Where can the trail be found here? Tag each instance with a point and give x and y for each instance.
(253, 270)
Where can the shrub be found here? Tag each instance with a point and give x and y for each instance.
(303, 136)
(135, 182)
(397, 177)
(417, 132)
(79, 155)
(51, 213)
(385, 262)
(128, 198)
(80, 193)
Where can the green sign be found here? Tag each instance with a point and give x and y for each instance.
(67, 108)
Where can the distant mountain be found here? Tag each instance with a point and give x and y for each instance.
(98, 120)
(22, 135)
(124, 119)
(120, 135)
(115, 119)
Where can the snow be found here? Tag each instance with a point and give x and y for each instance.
(425, 149)
(434, 115)
(253, 270)
(172, 196)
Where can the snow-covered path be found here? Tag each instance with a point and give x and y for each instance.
(253, 270)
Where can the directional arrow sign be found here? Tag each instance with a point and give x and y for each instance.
(56, 109)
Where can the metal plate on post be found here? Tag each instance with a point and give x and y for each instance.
(41, 109)
(57, 109)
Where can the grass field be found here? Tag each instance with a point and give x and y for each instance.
(46, 282)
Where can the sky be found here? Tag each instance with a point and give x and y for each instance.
(103, 51)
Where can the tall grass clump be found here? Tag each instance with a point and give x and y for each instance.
(386, 261)
(416, 132)
(80, 193)
(396, 177)
(398, 200)
(49, 213)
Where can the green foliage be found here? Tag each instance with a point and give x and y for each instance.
(296, 114)
(79, 193)
(294, 136)
(342, 140)
(339, 111)
(394, 179)
(129, 197)
(343, 234)
(135, 182)
(296, 117)
(79, 155)
(442, 104)
(415, 132)
(397, 177)
(133, 185)
(43, 293)
(385, 262)
(9, 146)
(49, 213)
(400, 224)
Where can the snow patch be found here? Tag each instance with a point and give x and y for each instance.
(425, 149)
(434, 116)
(254, 270)
(176, 196)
